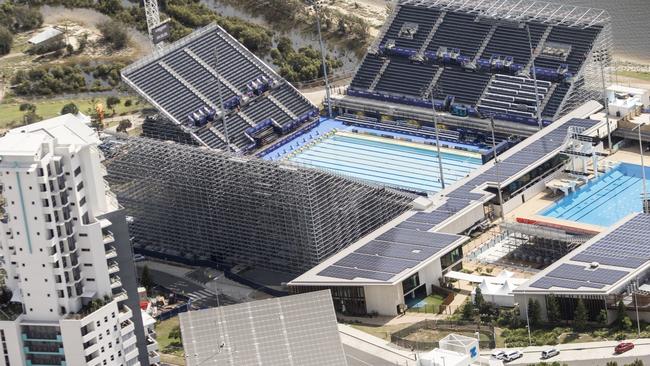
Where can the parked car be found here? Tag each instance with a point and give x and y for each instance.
(623, 347)
(511, 356)
(499, 354)
(138, 257)
(548, 353)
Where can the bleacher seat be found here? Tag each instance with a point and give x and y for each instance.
(513, 41)
(458, 30)
(406, 78)
(580, 40)
(465, 86)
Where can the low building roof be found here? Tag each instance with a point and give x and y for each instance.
(46, 34)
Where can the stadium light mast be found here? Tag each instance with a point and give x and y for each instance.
(644, 198)
(532, 60)
(153, 19)
(601, 56)
(223, 110)
(435, 125)
(316, 5)
(496, 167)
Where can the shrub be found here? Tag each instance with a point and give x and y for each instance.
(6, 39)
(619, 336)
(114, 33)
(70, 108)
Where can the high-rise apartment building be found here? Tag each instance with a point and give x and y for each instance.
(64, 299)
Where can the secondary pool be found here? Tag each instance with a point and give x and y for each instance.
(385, 161)
(604, 200)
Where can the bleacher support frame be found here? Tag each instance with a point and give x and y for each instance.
(196, 202)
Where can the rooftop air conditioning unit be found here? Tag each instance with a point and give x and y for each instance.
(594, 265)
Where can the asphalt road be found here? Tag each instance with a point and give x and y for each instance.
(357, 357)
(201, 298)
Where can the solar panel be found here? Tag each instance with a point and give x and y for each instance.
(580, 273)
(402, 251)
(375, 263)
(414, 226)
(352, 273)
(428, 239)
(301, 328)
(548, 282)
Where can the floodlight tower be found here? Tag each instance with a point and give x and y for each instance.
(153, 18)
(317, 7)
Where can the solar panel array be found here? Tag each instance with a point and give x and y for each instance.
(291, 330)
(513, 165)
(392, 252)
(626, 246)
(181, 79)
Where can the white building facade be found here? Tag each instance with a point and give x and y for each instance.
(63, 302)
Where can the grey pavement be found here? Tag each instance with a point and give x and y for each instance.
(357, 357)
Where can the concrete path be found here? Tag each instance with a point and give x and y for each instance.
(377, 347)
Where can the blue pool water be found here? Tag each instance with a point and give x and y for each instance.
(387, 162)
(604, 200)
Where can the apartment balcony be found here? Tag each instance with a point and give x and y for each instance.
(154, 357)
(111, 252)
(132, 354)
(121, 296)
(32, 350)
(115, 282)
(124, 314)
(127, 327)
(152, 345)
(41, 338)
(113, 268)
(109, 238)
(29, 363)
(129, 341)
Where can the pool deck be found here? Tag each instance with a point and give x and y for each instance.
(531, 208)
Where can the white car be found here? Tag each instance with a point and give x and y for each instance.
(498, 354)
(511, 356)
(138, 257)
(548, 353)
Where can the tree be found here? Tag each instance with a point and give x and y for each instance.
(70, 108)
(621, 313)
(580, 316)
(602, 317)
(6, 39)
(114, 33)
(145, 278)
(534, 312)
(109, 7)
(467, 311)
(478, 298)
(626, 323)
(552, 309)
(124, 125)
(27, 107)
(175, 332)
(111, 102)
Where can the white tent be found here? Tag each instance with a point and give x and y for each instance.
(498, 294)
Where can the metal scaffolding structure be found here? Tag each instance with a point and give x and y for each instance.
(199, 203)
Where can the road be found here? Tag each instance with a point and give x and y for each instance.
(201, 297)
(588, 354)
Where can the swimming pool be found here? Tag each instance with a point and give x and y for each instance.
(385, 161)
(604, 200)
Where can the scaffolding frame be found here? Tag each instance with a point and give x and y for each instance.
(199, 203)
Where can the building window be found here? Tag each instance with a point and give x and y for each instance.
(82, 201)
(80, 186)
(411, 283)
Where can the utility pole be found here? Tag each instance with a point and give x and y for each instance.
(322, 53)
(153, 19)
(435, 124)
(223, 110)
(644, 198)
(601, 56)
(496, 168)
(532, 60)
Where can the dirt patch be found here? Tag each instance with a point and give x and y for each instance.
(373, 11)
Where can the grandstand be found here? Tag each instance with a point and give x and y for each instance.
(184, 81)
(192, 203)
(522, 62)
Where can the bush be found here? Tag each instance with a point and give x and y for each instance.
(128, 103)
(114, 33)
(6, 39)
(70, 108)
(18, 18)
(619, 336)
(26, 107)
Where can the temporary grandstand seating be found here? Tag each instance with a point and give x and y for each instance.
(477, 55)
(182, 80)
(465, 86)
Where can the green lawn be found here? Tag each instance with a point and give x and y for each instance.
(165, 344)
(431, 304)
(636, 74)
(11, 116)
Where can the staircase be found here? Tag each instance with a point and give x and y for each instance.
(487, 86)
(281, 106)
(427, 93)
(379, 74)
(219, 134)
(540, 46)
(189, 86)
(486, 41)
(213, 72)
(432, 33)
(374, 48)
(547, 98)
(246, 118)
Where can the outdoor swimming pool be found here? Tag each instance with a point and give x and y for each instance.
(604, 200)
(388, 162)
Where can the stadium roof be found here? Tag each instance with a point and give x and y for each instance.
(386, 256)
(292, 330)
(600, 266)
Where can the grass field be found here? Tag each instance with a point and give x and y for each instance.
(635, 75)
(11, 116)
(429, 304)
(165, 344)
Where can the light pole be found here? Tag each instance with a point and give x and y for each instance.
(636, 308)
(223, 110)
(322, 53)
(532, 60)
(644, 198)
(435, 125)
(530, 341)
(496, 170)
(600, 56)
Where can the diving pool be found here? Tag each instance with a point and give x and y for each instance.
(385, 161)
(604, 200)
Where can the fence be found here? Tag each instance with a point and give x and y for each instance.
(410, 339)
